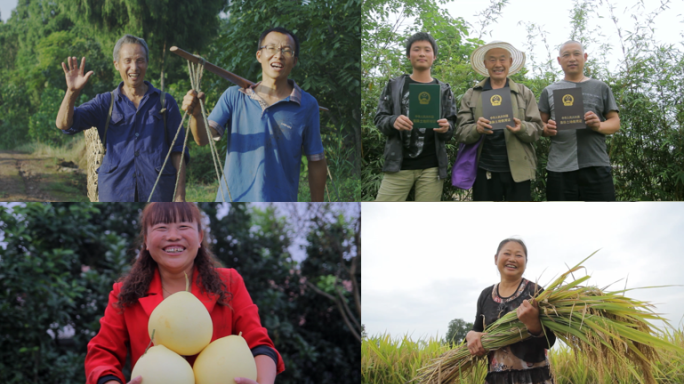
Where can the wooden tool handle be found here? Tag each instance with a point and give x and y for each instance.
(233, 78)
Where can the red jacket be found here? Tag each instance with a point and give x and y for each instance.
(107, 350)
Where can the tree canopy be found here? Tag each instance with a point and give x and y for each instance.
(458, 329)
(40, 34)
(58, 263)
(646, 154)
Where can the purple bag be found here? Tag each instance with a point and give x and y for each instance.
(465, 168)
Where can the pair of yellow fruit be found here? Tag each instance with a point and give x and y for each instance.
(181, 325)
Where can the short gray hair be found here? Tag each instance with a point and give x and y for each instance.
(130, 39)
(560, 50)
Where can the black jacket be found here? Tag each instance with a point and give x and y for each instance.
(389, 108)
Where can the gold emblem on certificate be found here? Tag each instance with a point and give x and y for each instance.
(498, 108)
(569, 112)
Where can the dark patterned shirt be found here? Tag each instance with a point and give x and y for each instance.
(524, 362)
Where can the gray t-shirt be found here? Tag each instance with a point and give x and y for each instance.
(579, 148)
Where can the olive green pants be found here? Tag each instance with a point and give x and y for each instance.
(396, 186)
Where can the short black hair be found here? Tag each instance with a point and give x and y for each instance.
(284, 32)
(420, 36)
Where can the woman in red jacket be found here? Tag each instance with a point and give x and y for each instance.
(173, 245)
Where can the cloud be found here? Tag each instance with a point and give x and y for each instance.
(426, 264)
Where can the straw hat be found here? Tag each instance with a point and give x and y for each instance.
(478, 56)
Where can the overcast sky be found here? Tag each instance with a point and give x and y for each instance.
(554, 18)
(426, 264)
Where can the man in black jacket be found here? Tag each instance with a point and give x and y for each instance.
(414, 156)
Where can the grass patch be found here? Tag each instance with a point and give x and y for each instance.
(201, 192)
(74, 151)
(67, 188)
(343, 186)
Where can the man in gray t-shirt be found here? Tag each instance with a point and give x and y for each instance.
(578, 166)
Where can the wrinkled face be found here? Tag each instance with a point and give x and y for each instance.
(511, 260)
(174, 245)
(132, 64)
(498, 61)
(572, 59)
(421, 55)
(276, 65)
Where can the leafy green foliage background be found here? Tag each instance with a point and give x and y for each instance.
(647, 154)
(40, 34)
(58, 263)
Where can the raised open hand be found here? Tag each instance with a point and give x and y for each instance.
(75, 78)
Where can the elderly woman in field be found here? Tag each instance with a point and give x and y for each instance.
(173, 245)
(524, 362)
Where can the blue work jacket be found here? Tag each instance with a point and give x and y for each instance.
(136, 144)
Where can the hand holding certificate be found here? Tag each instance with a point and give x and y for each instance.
(497, 108)
(569, 109)
(424, 105)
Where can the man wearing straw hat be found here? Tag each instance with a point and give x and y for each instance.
(506, 161)
(414, 156)
(130, 122)
(578, 166)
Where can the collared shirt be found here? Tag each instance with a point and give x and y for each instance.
(136, 144)
(265, 143)
(124, 332)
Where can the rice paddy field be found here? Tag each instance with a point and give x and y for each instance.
(389, 360)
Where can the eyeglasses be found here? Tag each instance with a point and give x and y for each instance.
(287, 52)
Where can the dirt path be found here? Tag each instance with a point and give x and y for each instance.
(24, 177)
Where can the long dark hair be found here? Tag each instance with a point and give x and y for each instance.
(137, 281)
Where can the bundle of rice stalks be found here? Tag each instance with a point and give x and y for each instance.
(606, 327)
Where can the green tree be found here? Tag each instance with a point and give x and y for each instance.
(328, 68)
(38, 37)
(458, 328)
(48, 288)
(384, 57)
(60, 261)
(646, 154)
(331, 302)
(189, 24)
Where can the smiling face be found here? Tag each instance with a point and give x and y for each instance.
(132, 65)
(276, 66)
(174, 244)
(498, 61)
(511, 260)
(421, 55)
(572, 59)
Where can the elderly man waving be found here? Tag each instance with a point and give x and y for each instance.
(506, 161)
(135, 133)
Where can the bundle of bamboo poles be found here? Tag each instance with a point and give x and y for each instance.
(610, 328)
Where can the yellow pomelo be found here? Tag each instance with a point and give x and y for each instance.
(223, 360)
(163, 366)
(182, 324)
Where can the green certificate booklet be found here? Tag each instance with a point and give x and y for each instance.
(497, 108)
(424, 105)
(569, 108)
